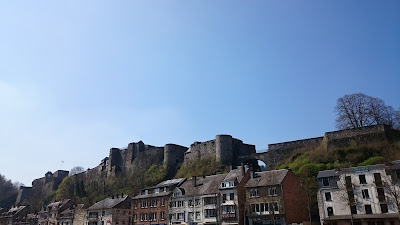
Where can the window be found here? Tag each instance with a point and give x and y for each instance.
(362, 179)
(325, 181)
(197, 215)
(223, 184)
(253, 192)
(348, 182)
(257, 208)
(272, 191)
(380, 223)
(371, 222)
(224, 197)
(384, 208)
(209, 213)
(135, 204)
(328, 196)
(378, 179)
(368, 209)
(232, 196)
(253, 208)
(197, 202)
(381, 194)
(262, 208)
(231, 184)
(162, 201)
(134, 218)
(330, 211)
(162, 216)
(353, 209)
(228, 209)
(153, 216)
(210, 201)
(365, 193)
(157, 190)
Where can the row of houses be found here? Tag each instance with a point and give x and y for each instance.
(238, 197)
(366, 195)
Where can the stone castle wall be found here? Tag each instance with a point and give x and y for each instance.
(336, 139)
(224, 148)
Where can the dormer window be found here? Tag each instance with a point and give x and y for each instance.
(157, 190)
(325, 181)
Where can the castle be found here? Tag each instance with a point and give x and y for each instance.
(224, 148)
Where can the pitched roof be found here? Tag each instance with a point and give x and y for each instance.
(15, 210)
(326, 173)
(107, 203)
(169, 183)
(160, 194)
(234, 174)
(204, 185)
(267, 178)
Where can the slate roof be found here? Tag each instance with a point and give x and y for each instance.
(267, 178)
(204, 185)
(234, 174)
(160, 194)
(107, 203)
(14, 210)
(165, 183)
(169, 183)
(326, 173)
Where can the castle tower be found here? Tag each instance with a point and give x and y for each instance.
(173, 155)
(223, 148)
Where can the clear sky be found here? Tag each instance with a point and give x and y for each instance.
(79, 77)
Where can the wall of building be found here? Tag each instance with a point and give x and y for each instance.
(295, 200)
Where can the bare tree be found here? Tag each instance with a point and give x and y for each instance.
(360, 110)
(76, 170)
(391, 186)
(346, 195)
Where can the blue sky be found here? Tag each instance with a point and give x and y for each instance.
(80, 77)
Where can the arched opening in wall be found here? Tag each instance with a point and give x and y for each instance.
(176, 161)
(262, 166)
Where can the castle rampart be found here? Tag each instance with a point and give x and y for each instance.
(224, 148)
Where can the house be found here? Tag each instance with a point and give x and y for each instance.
(151, 205)
(114, 210)
(232, 195)
(49, 215)
(275, 197)
(196, 201)
(15, 215)
(72, 215)
(365, 195)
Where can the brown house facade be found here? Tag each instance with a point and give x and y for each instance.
(275, 197)
(151, 206)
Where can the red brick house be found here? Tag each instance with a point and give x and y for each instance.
(275, 197)
(151, 206)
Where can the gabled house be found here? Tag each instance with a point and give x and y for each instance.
(114, 210)
(196, 201)
(275, 197)
(232, 195)
(15, 215)
(49, 214)
(151, 205)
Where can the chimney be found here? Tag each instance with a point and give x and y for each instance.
(117, 195)
(242, 169)
(194, 181)
(122, 195)
(112, 196)
(252, 174)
